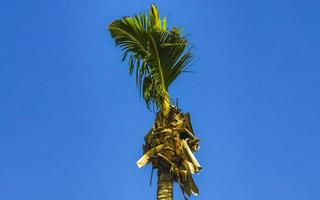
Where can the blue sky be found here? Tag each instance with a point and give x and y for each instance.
(72, 123)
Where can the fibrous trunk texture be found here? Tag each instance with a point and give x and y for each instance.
(165, 185)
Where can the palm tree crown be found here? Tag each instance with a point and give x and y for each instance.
(156, 54)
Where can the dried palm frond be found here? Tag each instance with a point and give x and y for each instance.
(170, 145)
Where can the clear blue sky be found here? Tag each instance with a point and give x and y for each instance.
(72, 123)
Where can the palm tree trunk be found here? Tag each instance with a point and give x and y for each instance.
(165, 185)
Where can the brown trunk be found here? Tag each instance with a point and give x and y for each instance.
(165, 185)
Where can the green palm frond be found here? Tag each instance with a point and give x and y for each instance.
(157, 55)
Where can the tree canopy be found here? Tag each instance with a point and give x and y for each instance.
(157, 54)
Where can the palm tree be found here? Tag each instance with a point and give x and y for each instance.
(158, 55)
